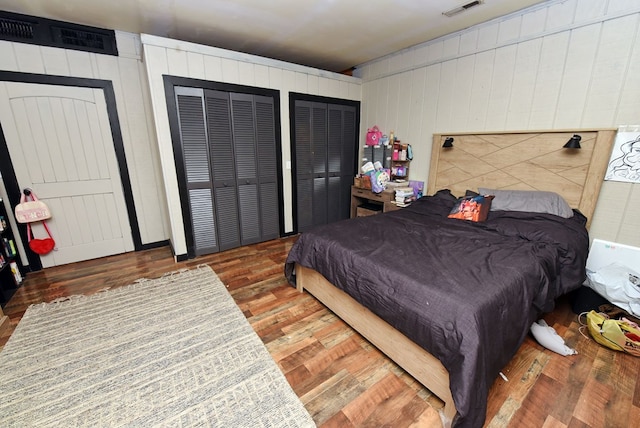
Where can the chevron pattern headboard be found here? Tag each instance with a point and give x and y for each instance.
(527, 160)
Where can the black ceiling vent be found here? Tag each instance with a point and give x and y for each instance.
(47, 32)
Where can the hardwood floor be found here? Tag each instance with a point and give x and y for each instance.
(344, 381)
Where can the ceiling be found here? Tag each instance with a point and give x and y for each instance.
(334, 35)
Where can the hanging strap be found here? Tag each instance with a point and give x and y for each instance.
(31, 194)
(30, 235)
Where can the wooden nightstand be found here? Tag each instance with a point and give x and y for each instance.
(365, 202)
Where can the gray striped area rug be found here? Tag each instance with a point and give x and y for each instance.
(174, 351)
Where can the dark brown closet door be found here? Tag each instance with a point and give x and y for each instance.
(230, 156)
(341, 146)
(197, 169)
(268, 158)
(221, 153)
(324, 146)
(244, 144)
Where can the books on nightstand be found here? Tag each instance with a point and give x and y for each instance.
(404, 196)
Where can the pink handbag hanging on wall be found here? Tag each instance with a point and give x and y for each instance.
(30, 211)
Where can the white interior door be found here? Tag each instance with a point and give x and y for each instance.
(61, 146)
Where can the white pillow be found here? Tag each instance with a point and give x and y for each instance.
(528, 200)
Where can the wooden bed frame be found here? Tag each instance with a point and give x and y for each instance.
(420, 364)
(504, 160)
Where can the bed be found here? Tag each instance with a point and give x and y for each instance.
(449, 300)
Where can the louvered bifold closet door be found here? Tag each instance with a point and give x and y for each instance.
(340, 158)
(320, 169)
(334, 163)
(304, 167)
(195, 152)
(325, 153)
(244, 143)
(267, 167)
(223, 168)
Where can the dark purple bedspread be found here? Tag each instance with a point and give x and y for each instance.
(466, 292)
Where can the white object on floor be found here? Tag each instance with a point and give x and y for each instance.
(603, 253)
(619, 284)
(547, 337)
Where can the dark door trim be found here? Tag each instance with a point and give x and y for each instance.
(6, 166)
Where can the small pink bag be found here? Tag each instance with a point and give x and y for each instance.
(30, 211)
(373, 136)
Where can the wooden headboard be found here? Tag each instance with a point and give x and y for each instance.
(526, 160)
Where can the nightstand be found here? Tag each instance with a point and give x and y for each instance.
(365, 202)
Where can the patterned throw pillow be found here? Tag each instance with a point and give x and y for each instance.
(472, 208)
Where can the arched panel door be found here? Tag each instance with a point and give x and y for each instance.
(61, 146)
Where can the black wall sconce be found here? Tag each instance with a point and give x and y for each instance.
(573, 143)
(448, 143)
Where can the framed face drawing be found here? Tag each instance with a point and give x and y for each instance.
(624, 164)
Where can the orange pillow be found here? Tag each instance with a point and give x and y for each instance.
(472, 208)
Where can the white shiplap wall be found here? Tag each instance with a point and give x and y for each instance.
(128, 76)
(566, 64)
(183, 59)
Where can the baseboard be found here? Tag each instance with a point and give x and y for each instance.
(151, 245)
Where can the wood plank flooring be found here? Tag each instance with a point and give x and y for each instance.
(344, 381)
